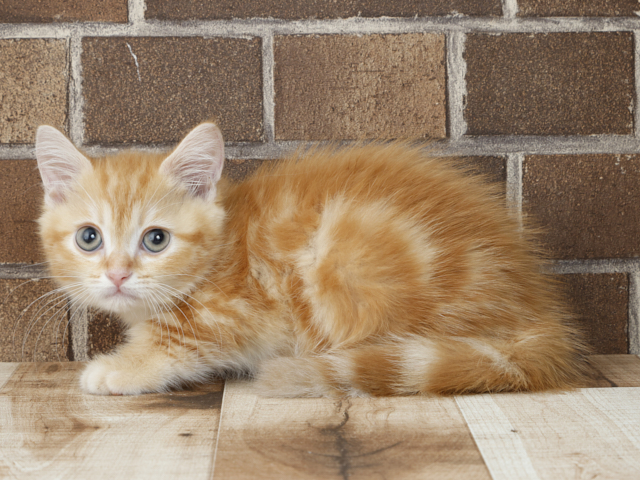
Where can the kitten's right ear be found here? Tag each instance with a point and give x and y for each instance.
(60, 163)
(198, 160)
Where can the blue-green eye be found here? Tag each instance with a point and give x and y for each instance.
(156, 240)
(88, 239)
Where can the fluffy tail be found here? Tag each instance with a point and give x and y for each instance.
(533, 362)
(446, 366)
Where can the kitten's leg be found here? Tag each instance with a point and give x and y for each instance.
(144, 364)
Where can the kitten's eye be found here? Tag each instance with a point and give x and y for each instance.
(156, 240)
(88, 239)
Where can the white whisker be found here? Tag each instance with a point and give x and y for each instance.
(41, 297)
(188, 321)
(51, 317)
(37, 316)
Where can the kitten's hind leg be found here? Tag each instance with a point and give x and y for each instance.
(144, 364)
(296, 377)
(368, 370)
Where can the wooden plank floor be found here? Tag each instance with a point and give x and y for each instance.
(49, 429)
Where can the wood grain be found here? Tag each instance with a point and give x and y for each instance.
(400, 438)
(6, 370)
(615, 370)
(586, 434)
(498, 440)
(49, 429)
(52, 430)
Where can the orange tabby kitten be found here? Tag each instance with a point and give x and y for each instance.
(370, 270)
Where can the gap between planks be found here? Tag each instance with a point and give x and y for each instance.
(588, 433)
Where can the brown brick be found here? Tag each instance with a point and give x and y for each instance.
(295, 9)
(550, 84)
(33, 87)
(30, 11)
(494, 169)
(176, 84)
(237, 170)
(39, 325)
(105, 333)
(20, 199)
(588, 204)
(577, 8)
(601, 303)
(351, 87)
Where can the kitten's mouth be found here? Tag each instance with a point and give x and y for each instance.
(122, 295)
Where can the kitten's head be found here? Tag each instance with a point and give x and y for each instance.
(134, 230)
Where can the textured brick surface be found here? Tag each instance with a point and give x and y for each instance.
(20, 199)
(105, 333)
(600, 303)
(350, 87)
(25, 11)
(237, 170)
(588, 204)
(176, 84)
(578, 8)
(33, 87)
(493, 168)
(295, 9)
(39, 328)
(549, 84)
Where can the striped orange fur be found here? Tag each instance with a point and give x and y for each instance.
(368, 270)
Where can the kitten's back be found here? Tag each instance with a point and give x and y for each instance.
(404, 275)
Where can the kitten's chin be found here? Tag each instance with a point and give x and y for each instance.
(121, 303)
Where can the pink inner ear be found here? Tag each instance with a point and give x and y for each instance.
(59, 162)
(197, 162)
(57, 173)
(199, 176)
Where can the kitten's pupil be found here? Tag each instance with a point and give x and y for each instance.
(89, 235)
(157, 237)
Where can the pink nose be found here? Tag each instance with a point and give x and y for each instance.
(118, 277)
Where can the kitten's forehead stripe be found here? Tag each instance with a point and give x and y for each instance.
(125, 182)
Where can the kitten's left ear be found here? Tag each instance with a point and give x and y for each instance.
(197, 162)
(59, 162)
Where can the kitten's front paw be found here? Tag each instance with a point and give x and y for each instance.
(93, 379)
(105, 377)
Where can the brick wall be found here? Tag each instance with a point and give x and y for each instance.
(540, 94)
